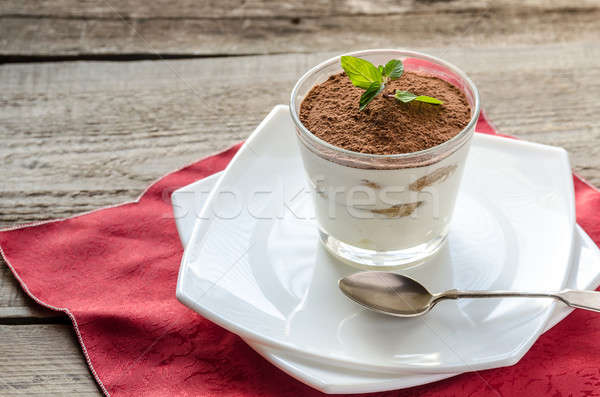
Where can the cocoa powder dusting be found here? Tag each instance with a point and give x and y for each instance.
(385, 126)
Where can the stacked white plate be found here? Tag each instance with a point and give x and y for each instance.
(253, 265)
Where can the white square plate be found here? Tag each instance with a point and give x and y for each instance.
(187, 204)
(254, 264)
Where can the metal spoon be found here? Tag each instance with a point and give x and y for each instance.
(401, 296)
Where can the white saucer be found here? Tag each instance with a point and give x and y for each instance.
(255, 267)
(187, 203)
(331, 379)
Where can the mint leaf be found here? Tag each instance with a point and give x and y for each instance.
(405, 96)
(380, 68)
(428, 99)
(362, 73)
(371, 92)
(393, 69)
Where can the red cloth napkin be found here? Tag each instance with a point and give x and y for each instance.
(114, 271)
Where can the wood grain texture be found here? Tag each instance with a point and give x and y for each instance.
(81, 135)
(17, 307)
(235, 9)
(43, 360)
(72, 28)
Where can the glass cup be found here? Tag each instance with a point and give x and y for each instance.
(384, 211)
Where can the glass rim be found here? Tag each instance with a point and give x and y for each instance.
(449, 143)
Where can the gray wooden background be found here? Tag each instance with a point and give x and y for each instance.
(99, 98)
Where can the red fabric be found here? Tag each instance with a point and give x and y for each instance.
(114, 272)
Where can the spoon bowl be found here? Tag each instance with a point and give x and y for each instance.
(388, 293)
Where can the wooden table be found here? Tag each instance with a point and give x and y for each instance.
(99, 98)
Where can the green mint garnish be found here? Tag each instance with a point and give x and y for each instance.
(372, 79)
(361, 73)
(393, 69)
(405, 96)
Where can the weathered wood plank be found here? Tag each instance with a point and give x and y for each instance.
(16, 307)
(101, 132)
(65, 35)
(236, 9)
(42, 360)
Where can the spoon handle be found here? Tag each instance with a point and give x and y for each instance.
(589, 300)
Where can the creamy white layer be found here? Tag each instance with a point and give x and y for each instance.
(385, 210)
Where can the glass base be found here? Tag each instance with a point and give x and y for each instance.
(367, 259)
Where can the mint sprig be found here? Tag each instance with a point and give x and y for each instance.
(372, 79)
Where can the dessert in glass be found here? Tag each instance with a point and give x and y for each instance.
(384, 199)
